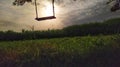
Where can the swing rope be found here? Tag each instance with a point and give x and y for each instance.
(53, 7)
(36, 9)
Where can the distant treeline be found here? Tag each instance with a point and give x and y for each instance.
(108, 27)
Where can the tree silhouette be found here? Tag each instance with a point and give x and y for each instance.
(20, 2)
(116, 6)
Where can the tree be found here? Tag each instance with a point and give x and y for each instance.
(20, 2)
(116, 6)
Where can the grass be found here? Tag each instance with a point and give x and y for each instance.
(88, 51)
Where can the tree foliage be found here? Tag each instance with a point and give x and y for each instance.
(115, 6)
(21, 2)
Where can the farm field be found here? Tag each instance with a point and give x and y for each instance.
(87, 51)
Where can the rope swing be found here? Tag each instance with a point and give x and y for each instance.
(44, 18)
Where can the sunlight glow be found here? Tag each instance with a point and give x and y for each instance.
(48, 9)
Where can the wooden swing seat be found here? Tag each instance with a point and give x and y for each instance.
(45, 18)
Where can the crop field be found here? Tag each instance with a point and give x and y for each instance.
(87, 51)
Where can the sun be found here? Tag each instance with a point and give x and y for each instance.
(48, 9)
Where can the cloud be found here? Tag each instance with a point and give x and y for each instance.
(89, 12)
(7, 25)
(4, 23)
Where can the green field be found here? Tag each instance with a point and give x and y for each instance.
(87, 51)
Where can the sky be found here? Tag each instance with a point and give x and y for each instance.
(68, 12)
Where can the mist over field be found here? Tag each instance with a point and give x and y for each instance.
(68, 12)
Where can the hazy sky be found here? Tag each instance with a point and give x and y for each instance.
(68, 13)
